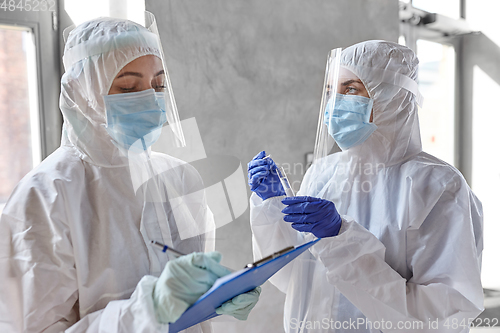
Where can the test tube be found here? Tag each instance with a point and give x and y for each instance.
(284, 182)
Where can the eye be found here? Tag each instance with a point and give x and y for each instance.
(126, 89)
(328, 93)
(351, 90)
(159, 83)
(160, 88)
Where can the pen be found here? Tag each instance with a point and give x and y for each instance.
(166, 248)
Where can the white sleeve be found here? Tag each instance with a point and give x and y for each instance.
(125, 316)
(443, 254)
(271, 234)
(38, 281)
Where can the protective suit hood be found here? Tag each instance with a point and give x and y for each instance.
(94, 53)
(389, 73)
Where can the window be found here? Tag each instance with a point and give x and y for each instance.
(450, 8)
(437, 85)
(80, 11)
(19, 114)
(486, 171)
(482, 57)
(476, 113)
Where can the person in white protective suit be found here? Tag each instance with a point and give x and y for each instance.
(75, 235)
(401, 230)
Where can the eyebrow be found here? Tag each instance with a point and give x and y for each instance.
(129, 73)
(138, 74)
(348, 82)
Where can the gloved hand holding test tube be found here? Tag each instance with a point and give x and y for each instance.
(266, 179)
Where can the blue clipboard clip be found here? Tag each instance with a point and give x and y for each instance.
(271, 257)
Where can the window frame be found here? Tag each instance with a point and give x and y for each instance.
(417, 27)
(44, 26)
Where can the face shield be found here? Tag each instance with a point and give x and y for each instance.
(370, 93)
(344, 119)
(140, 105)
(133, 85)
(324, 142)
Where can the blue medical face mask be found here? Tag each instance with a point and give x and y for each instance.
(134, 120)
(348, 121)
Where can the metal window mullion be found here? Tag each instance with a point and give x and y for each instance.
(463, 109)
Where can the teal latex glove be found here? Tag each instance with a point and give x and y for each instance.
(240, 306)
(183, 281)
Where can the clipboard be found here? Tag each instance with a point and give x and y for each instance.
(229, 286)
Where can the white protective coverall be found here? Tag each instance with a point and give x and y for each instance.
(409, 249)
(74, 245)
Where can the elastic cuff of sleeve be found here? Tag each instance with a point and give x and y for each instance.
(276, 198)
(343, 226)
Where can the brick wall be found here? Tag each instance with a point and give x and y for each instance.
(15, 139)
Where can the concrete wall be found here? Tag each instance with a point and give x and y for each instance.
(251, 72)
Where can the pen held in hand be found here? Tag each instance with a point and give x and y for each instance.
(166, 248)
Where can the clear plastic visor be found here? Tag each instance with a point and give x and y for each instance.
(325, 144)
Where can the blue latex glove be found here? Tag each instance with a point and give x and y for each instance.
(183, 281)
(309, 214)
(262, 177)
(240, 306)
